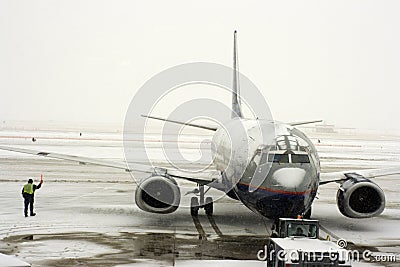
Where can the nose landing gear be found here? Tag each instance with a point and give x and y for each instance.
(194, 206)
(209, 206)
(199, 202)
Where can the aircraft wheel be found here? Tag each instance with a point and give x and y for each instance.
(209, 206)
(194, 206)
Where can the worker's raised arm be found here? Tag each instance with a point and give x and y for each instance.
(40, 183)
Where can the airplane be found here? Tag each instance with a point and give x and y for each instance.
(279, 179)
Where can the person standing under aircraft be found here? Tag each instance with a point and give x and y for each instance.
(28, 192)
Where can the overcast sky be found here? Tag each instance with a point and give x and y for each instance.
(83, 60)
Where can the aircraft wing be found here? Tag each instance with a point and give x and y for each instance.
(303, 122)
(203, 178)
(368, 173)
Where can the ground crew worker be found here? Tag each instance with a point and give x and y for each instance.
(28, 192)
(299, 232)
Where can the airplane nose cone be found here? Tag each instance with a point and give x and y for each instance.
(289, 177)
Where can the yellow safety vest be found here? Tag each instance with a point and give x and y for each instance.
(28, 188)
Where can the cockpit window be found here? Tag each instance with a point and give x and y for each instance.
(300, 158)
(278, 158)
(290, 142)
(288, 157)
(251, 168)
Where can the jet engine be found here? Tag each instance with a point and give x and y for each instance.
(359, 197)
(158, 194)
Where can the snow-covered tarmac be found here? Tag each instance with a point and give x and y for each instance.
(86, 214)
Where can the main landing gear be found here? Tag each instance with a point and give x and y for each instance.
(199, 202)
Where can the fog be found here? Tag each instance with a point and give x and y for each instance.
(83, 61)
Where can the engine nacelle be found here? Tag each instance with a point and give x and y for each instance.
(158, 194)
(359, 197)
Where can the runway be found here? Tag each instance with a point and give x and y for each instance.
(86, 214)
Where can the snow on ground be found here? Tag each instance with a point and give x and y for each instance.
(86, 214)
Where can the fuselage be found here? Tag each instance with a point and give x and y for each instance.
(272, 167)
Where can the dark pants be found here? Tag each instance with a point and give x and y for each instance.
(28, 201)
